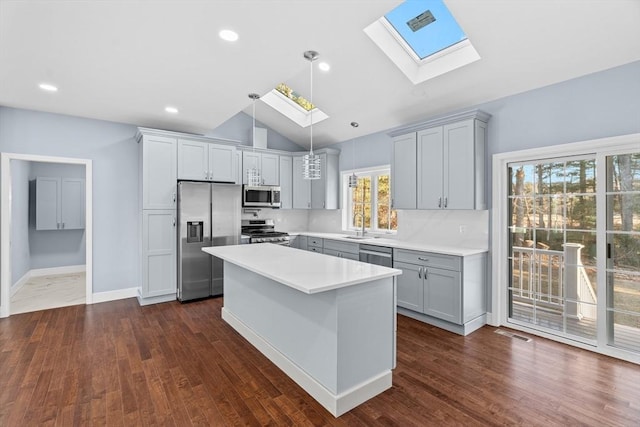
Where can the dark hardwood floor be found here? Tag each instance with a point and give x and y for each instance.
(170, 364)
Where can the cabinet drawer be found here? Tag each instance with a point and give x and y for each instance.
(337, 245)
(314, 241)
(314, 249)
(429, 259)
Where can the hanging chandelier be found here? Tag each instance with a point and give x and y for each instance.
(311, 162)
(253, 174)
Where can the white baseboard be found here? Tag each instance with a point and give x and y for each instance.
(335, 404)
(114, 295)
(20, 283)
(67, 269)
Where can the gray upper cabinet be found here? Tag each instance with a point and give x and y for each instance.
(268, 164)
(449, 167)
(301, 186)
(159, 171)
(286, 183)
(403, 171)
(60, 203)
(325, 192)
(204, 161)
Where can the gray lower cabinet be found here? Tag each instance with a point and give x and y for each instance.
(341, 249)
(443, 290)
(315, 244)
(158, 255)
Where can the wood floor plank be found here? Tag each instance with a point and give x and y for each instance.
(120, 364)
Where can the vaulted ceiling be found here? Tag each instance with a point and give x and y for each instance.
(125, 61)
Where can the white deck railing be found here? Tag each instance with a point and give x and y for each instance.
(554, 279)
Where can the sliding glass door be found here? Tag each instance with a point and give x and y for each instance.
(558, 218)
(552, 246)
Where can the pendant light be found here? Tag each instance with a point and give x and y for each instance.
(253, 174)
(353, 179)
(311, 162)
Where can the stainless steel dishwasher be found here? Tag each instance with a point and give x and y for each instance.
(379, 255)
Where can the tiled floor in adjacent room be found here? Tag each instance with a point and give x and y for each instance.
(50, 291)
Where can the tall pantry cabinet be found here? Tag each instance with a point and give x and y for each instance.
(158, 153)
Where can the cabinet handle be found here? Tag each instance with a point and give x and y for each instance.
(323, 204)
(174, 197)
(206, 175)
(392, 202)
(63, 225)
(425, 272)
(446, 199)
(423, 259)
(440, 202)
(420, 273)
(57, 225)
(174, 221)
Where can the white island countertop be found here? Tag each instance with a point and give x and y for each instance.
(307, 272)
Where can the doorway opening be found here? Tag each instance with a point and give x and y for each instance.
(70, 198)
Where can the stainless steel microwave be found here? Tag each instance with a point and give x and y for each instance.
(264, 196)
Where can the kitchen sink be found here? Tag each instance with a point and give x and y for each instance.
(357, 237)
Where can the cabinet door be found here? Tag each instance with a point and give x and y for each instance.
(430, 169)
(270, 169)
(192, 160)
(47, 203)
(301, 187)
(159, 172)
(442, 294)
(250, 160)
(319, 186)
(410, 287)
(222, 163)
(459, 165)
(403, 172)
(158, 252)
(286, 184)
(72, 210)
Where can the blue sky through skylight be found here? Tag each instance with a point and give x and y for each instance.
(436, 36)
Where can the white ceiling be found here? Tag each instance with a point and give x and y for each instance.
(125, 61)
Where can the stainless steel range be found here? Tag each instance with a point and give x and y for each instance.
(263, 231)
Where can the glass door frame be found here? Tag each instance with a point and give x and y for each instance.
(499, 279)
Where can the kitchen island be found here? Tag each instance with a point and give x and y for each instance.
(329, 323)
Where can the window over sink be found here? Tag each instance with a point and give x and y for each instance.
(370, 201)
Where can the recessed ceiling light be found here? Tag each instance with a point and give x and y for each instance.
(228, 35)
(172, 110)
(48, 87)
(324, 66)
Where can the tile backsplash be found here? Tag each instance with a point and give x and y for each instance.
(469, 229)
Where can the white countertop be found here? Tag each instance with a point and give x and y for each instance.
(399, 244)
(308, 272)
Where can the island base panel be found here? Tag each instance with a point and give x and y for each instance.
(335, 404)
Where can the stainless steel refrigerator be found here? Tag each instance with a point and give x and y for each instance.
(208, 215)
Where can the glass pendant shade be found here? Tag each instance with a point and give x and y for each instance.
(253, 174)
(353, 181)
(311, 166)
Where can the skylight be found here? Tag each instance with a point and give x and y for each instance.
(423, 39)
(426, 26)
(293, 105)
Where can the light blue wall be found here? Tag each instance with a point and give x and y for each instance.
(370, 150)
(114, 152)
(20, 257)
(240, 128)
(54, 248)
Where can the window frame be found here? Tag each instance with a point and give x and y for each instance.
(347, 203)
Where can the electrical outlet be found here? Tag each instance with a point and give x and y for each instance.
(463, 229)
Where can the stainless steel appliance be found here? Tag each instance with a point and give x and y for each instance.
(263, 231)
(208, 215)
(380, 255)
(265, 196)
